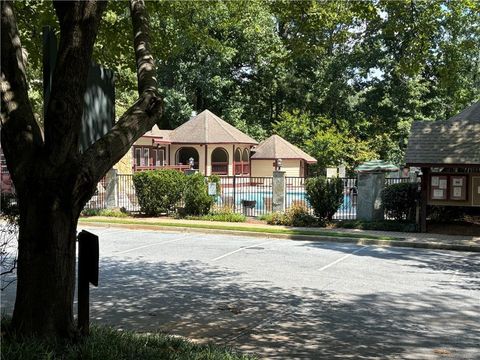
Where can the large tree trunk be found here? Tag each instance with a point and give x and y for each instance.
(52, 179)
(46, 264)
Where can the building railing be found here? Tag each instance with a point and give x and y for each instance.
(238, 168)
(160, 167)
(220, 168)
(242, 168)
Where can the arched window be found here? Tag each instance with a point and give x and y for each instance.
(246, 164)
(238, 162)
(184, 154)
(220, 161)
(245, 155)
(238, 155)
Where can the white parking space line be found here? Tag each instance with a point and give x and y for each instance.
(241, 249)
(342, 258)
(150, 245)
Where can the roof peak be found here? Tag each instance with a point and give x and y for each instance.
(207, 127)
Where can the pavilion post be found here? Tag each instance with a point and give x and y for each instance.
(424, 199)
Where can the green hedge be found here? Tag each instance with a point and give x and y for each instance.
(197, 200)
(384, 225)
(325, 196)
(158, 191)
(399, 201)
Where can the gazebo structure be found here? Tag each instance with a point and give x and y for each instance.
(376, 166)
(448, 152)
(268, 153)
(215, 146)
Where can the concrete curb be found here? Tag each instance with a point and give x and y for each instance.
(320, 238)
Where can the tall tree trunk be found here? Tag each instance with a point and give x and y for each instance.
(46, 264)
(52, 179)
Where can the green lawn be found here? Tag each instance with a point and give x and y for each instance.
(265, 230)
(109, 344)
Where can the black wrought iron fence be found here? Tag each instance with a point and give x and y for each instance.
(126, 197)
(251, 196)
(295, 194)
(397, 180)
(98, 200)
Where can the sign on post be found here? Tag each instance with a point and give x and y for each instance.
(212, 188)
(88, 256)
(98, 100)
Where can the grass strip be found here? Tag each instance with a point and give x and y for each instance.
(107, 343)
(239, 228)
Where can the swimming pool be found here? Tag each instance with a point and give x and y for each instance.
(263, 199)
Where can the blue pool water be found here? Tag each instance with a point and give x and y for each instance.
(259, 197)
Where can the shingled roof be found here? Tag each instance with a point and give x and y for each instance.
(455, 141)
(208, 128)
(160, 135)
(276, 147)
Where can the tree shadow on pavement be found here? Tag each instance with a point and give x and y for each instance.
(456, 263)
(215, 304)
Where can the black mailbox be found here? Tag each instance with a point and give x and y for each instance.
(88, 256)
(249, 203)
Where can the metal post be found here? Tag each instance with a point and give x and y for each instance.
(83, 292)
(424, 199)
(87, 273)
(234, 192)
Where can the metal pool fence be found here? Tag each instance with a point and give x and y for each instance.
(397, 180)
(295, 194)
(251, 196)
(98, 200)
(126, 196)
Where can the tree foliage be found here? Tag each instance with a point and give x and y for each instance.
(367, 69)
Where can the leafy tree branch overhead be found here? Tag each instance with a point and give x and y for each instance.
(370, 66)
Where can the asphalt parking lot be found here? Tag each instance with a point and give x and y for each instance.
(288, 299)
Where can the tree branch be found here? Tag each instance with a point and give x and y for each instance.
(146, 71)
(79, 21)
(140, 118)
(21, 135)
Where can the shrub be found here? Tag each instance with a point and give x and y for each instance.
(158, 191)
(298, 215)
(325, 196)
(90, 212)
(104, 212)
(227, 217)
(9, 207)
(197, 200)
(385, 225)
(446, 213)
(275, 218)
(399, 201)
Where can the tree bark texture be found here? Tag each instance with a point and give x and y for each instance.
(46, 265)
(52, 179)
